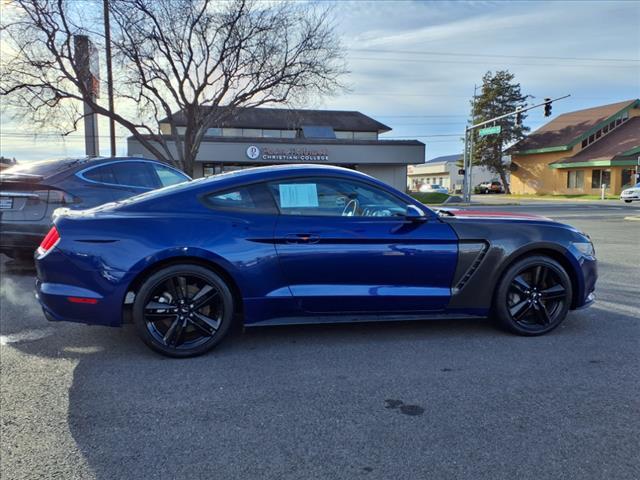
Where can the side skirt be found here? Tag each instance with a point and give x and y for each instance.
(333, 319)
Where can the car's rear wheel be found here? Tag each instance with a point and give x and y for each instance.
(183, 310)
(533, 296)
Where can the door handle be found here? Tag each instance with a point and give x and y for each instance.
(301, 238)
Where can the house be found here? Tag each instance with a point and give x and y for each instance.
(444, 171)
(578, 152)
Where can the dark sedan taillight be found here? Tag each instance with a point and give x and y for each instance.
(48, 242)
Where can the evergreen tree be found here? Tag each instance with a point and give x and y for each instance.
(499, 95)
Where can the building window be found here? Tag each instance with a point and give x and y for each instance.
(231, 132)
(271, 133)
(365, 135)
(623, 117)
(252, 132)
(287, 133)
(209, 169)
(344, 135)
(575, 179)
(214, 132)
(600, 177)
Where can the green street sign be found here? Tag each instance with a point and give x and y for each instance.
(489, 131)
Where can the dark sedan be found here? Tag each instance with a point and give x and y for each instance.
(30, 192)
(303, 244)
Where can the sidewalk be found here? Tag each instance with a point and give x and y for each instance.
(501, 199)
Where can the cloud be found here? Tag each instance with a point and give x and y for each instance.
(391, 86)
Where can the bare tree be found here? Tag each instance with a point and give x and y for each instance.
(174, 61)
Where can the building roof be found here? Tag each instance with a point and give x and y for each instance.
(621, 144)
(567, 129)
(445, 159)
(290, 119)
(295, 141)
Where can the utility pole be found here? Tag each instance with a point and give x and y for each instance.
(107, 37)
(469, 174)
(469, 129)
(86, 59)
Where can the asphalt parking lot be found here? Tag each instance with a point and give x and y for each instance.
(417, 400)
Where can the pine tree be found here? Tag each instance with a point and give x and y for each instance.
(499, 95)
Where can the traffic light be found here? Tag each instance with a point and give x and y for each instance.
(518, 116)
(547, 107)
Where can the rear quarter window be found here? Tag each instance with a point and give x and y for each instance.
(102, 174)
(251, 198)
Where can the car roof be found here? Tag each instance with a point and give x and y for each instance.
(48, 168)
(226, 180)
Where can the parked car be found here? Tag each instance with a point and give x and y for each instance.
(6, 163)
(432, 188)
(303, 244)
(490, 187)
(30, 192)
(631, 194)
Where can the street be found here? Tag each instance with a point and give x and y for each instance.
(457, 399)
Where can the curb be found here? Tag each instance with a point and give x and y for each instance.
(563, 199)
(473, 204)
(632, 219)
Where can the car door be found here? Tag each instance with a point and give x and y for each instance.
(347, 246)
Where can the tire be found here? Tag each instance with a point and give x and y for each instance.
(533, 296)
(183, 310)
(627, 201)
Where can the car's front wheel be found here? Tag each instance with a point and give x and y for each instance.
(183, 310)
(627, 201)
(533, 296)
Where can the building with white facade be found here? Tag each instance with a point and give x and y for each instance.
(445, 171)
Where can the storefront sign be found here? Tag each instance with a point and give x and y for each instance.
(253, 152)
(293, 155)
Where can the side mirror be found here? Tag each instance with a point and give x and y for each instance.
(414, 214)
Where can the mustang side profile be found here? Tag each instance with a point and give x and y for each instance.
(303, 244)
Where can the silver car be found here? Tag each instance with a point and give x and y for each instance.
(631, 194)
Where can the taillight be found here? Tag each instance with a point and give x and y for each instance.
(48, 242)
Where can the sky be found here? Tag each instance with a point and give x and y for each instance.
(413, 66)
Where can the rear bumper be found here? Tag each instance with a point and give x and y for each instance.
(57, 306)
(99, 301)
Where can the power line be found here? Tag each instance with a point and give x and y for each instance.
(467, 62)
(489, 55)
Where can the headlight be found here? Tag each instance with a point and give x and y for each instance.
(586, 248)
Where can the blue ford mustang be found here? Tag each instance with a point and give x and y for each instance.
(302, 244)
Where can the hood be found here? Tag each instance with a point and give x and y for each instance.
(463, 213)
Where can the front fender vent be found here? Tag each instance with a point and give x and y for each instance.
(469, 249)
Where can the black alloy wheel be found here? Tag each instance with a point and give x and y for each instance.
(183, 310)
(534, 296)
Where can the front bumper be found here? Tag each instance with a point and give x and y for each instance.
(587, 286)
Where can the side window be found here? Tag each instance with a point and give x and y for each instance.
(168, 176)
(103, 174)
(135, 174)
(334, 197)
(254, 198)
